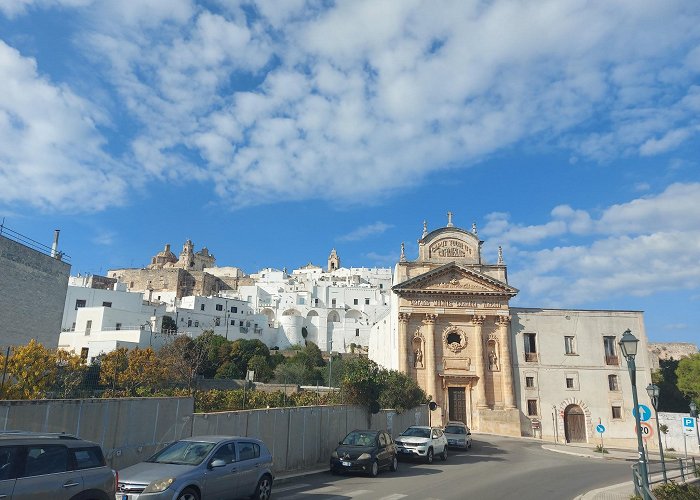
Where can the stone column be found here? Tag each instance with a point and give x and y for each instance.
(478, 321)
(404, 344)
(507, 388)
(429, 356)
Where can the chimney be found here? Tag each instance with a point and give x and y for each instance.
(54, 247)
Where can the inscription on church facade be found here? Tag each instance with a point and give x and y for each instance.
(449, 247)
(434, 302)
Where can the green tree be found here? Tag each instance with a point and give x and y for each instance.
(400, 391)
(185, 358)
(169, 325)
(362, 381)
(263, 371)
(239, 356)
(295, 373)
(218, 351)
(671, 399)
(688, 373)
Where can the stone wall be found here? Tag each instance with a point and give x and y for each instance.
(32, 295)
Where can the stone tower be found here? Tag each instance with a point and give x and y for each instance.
(333, 261)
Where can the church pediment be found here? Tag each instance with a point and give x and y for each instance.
(453, 279)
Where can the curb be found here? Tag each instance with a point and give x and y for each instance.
(587, 455)
(591, 494)
(287, 477)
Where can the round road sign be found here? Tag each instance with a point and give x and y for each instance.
(644, 413)
(647, 430)
(600, 428)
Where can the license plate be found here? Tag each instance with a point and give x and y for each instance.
(346, 464)
(452, 441)
(122, 497)
(405, 451)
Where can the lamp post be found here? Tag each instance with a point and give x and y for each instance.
(694, 414)
(628, 347)
(653, 393)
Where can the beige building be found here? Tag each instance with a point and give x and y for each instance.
(513, 371)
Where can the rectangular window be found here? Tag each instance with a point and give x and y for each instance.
(357, 332)
(201, 307)
(332, 302)
(88, 458)
(234, 309)
(219, 307)
(196, 324)
(530, 347)
(189, 322)
(530, 382)
(118, 326)
(612, 383)
(79, 303)
(106, 304)
(88, 327)
(616, 412)
(233, 322)
(610, 352)
(240, 323)
(355, 301)
(532, 407)
(84, 352)
(366, 302)
(316, 302)
(569, 346)
(569, 383)
(381, 286)
(45, 459)
(217, 321)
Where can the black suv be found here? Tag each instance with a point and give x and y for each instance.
(55, 466)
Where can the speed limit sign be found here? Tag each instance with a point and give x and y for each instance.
(647, 430)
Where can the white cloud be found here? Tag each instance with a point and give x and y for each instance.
(350, 102)
(641, 247)
(50, 147)
(13, 8)
(364, 232)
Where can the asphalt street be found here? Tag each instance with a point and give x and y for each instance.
(495, 468)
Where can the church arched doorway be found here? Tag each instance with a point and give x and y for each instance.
(574, 424)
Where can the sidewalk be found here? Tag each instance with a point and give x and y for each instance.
(620, 491)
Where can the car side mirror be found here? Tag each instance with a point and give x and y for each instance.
(217, 462)
(340, 442)
(469, 433)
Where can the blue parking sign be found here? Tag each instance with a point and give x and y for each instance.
(688, 425)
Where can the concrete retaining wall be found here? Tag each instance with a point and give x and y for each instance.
(129, 430)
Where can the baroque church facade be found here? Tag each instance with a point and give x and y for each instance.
(503, 369)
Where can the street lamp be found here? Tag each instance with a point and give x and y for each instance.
(628, 346)
(653, 393)
(694, 414)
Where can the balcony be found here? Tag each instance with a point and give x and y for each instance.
(612, 360)
(531, 357)
(244, 329)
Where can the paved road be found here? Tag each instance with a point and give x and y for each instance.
(495, 468)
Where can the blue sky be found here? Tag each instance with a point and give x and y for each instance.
(273, 131)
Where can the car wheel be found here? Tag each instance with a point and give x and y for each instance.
(374, 469)
(443, 455)
(394, 464)
(188, 494)
(429, 456)
(263, 491)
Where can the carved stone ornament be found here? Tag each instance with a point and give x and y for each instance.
(478, 320)
(403, 317)
(430, 318)
(494, 337)
(454, 346)
(418, 334)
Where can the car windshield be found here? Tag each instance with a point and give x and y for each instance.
(182, 453)
(357, 438)
(455, 429)
(417, 432)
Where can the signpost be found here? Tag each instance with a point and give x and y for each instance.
(600, 428)
(688, 430)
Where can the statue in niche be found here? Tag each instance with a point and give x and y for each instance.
(418, 358)
(493, 361)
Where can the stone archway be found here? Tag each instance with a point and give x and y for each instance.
(574, 424)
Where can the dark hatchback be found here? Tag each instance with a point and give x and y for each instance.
(366, 452)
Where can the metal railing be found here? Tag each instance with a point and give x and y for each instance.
(678, 470)
(30, 243)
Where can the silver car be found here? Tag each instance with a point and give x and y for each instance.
(201, 468)
(458, 435)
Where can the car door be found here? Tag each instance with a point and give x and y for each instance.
(249, 463)
(8, 468)
(221, 483)
(382, 451)
(46, 474)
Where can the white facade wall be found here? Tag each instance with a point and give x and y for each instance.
(95, 297)
(587, 367)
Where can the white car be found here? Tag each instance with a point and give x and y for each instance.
(423, 442)
(458, 435)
